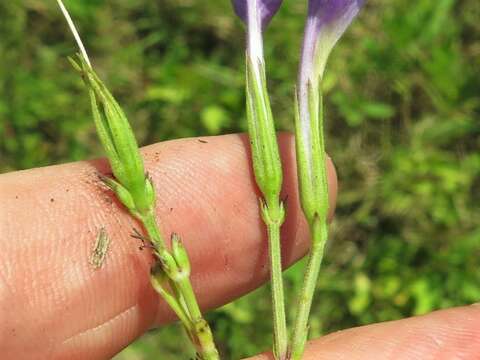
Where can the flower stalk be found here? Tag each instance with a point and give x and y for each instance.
(326, 22)
(265, 154)
(170, 276)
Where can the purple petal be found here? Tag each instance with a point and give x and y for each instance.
(267, 9)
(327, 21)
(326, 13)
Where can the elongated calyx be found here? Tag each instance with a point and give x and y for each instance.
(266, 9)
(132, 186)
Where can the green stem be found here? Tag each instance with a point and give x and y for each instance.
(172, 301)
(186, 289)
(278, 302)
(195, 324)
(150, 224)
(319, 231)
(206, 346)
(178, 295)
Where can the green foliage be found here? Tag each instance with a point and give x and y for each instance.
(402, 100)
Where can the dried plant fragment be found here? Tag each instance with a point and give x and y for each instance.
(99, 252)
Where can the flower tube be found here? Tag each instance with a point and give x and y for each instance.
(326, 22)
(265, 154)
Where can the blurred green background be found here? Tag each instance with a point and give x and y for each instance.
(402, 96)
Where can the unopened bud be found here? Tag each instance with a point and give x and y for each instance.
(180, 254)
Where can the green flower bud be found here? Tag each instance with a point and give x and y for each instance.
(122, 194)
(180, 255)
(150, 195)
(119, 143)
(169, 266)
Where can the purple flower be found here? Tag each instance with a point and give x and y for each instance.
(265, 8)
(329, 10)
(256, 14)
(327, 21)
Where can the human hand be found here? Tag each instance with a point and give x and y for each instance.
(53, 305)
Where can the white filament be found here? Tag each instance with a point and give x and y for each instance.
(74, 32)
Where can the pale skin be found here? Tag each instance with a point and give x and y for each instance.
(54, 305)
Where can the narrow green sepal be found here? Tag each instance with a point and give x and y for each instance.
(74, 64)
(122, 194)
(150, 194)
(180, 254)
(272, 213)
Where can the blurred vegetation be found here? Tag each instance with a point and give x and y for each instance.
(403, 110)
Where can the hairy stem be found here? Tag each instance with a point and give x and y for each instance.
(319, 233)
(170, 299)
(205, 343)
(278, 302)
(196, 325)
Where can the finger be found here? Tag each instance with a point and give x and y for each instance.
(55, 306)
(441, 335)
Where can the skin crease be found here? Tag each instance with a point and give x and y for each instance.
(54, 305)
